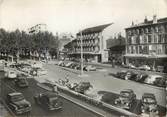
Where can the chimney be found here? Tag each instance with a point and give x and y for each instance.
(132, 23)
(145, 20)
(154, 19)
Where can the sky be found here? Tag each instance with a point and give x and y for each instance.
(75, 15)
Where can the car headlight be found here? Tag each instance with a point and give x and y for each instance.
(127, 104)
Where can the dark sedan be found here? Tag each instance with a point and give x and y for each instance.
(48, 101)
(18, 103)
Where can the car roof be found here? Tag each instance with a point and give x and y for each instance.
(127, 90)
(148, 95)
(15, 93)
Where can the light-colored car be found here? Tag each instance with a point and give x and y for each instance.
(90, 68)
(131, 66)
(152, 78)
(144, 67)
(68, 64)
(41, 72)
(37, 65)
(26, 69)
(10, 74)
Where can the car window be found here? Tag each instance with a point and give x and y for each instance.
(125, 94)
(17, 98)
(149, 100)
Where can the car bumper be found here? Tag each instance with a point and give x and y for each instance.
(21, 111)
(55, 108)
(123, 106)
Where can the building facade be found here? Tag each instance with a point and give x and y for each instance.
(37, 28)
(64, 39)
(146, 43)
(116, 48)
(93, 43)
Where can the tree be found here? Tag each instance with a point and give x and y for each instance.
(19, 42)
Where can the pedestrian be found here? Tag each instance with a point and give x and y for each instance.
(113, 63)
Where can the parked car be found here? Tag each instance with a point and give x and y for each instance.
(121, 74)
(62, 64)
(149, 103)
(48, 101)
(89, 68)
(37, 65)
(68, 64)
(126, 98)
(59, 63)
(144, 67)
(82, 87)
(132, 66)
(151, 79)
(126, 75)
(10, 74)
(130, 75)
(26, 69)
(21, 82)
(18, 103)
(73, 65)
(141, 77)
(160, 82)
(41, 72)
(129, 66)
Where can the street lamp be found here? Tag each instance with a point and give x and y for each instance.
(81, 54)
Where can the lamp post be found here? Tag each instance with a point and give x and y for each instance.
(81, 54)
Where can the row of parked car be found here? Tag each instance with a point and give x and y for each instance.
(77, 66)
(146, 68)
(29, 69)
(17, 102)
(141, 77)
(127, 98)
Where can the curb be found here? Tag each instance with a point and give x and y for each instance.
(98, 113)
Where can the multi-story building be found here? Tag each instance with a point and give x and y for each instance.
(37, 28)
(93, 43)
(146, 43)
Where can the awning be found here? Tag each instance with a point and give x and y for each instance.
(145, 56)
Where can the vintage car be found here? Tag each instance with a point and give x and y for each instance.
(18, 103)
(160, 82)
(126, 98)
(82, 87)
(68, 64)
(152, 78)
(10, 74)
(21, 82)
(121, 74)
(126, 75)
(48, 101)
(141, 77)
(149, 103)
(89, 68)
(144, 67)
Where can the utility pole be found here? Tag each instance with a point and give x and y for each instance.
(81, 54)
